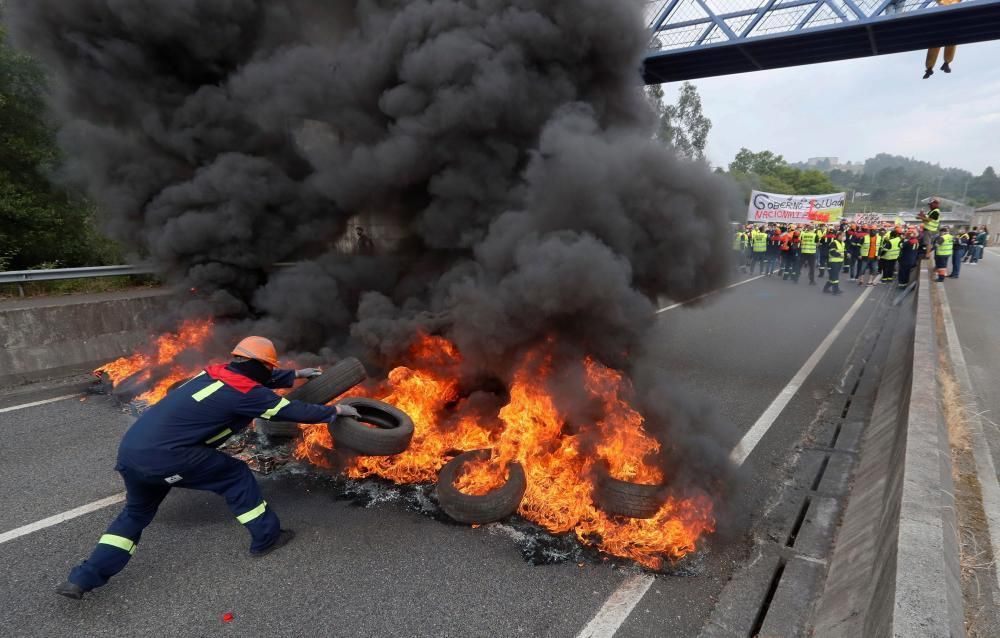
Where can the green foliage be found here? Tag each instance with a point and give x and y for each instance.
(893, 183)
(77, 286)
(39, 222)
(762, 163)
(769, 172)
(682, 125)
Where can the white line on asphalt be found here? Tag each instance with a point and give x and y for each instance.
(763, 424)
(59, 518)
(31, 405)
(617, 608)
(985, 468)
(684, 303)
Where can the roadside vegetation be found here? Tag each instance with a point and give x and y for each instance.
(42, 224)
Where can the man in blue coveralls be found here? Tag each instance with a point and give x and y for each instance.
(173, 444)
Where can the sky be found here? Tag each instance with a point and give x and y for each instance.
(854, 109)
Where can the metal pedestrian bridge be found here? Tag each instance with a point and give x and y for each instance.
(703, 38)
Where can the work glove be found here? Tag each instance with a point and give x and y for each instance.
(308, 373)
(346, 410)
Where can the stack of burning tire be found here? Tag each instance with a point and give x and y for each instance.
(613, 496)
(384, 430)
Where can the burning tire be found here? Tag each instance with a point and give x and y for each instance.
(477, 509)
(336, 380)
(383, 430)
(621, 498)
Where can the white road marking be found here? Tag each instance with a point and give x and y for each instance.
(33, 404)
(684, 303)
(985, 468)
(619, 605)
(766, 420)
(59, 518)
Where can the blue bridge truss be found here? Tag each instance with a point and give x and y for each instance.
(703, 38)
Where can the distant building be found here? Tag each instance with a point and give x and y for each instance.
(989, 216)
(822, 162)
(828, 164)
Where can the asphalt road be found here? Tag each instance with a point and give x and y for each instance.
(384, 570)
(975, 306)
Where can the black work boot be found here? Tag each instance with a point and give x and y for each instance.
(285, 536)
(946, 67)
(928, 73)
(836, 289)
(827, 286)
(70, 590)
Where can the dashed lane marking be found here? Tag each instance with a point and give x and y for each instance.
(617, 607)
(699, 297)
(35, 403)
(59, 518)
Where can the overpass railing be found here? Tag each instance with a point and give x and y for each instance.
(679, 24)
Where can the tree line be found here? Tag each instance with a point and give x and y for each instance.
(41, 224)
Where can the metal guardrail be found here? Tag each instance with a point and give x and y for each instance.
(25, 276)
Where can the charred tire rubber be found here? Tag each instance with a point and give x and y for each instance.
(632, 500)
(486, 508)
(336, 380)
(391, 435)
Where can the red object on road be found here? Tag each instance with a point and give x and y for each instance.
(227, 617)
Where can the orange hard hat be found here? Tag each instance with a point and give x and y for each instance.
(259, 349)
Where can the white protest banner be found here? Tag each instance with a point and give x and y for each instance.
(795, 209)
(867, 218)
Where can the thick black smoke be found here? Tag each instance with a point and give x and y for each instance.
(508, 140)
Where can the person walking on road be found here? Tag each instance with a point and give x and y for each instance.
(870, 248)
(944, 245)
(808, 242)
(773, 253)
(173, 444)
(758, 240)
(979, 245)
(959, 247)
(890, 253)
(739, 246)
(823, 251)
(837, 250)
(855, 237)
(909, 250)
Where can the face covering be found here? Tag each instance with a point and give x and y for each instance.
(253, 369)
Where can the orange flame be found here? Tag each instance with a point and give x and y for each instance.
(191, 334)
(559, 463)
(531, 431)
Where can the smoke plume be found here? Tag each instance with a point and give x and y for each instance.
(508, 141)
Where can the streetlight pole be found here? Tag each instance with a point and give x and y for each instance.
(916, 198)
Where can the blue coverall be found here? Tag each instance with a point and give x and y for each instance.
(173, 445)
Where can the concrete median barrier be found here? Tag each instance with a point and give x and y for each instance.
(895, 565)
(50, 337)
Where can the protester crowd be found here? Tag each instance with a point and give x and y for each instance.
(868, 254)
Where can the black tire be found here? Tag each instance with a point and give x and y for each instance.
(130, 387)
(622, 498)
(391, 435)
(485, 508)
(276, 429)
(335, 380)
